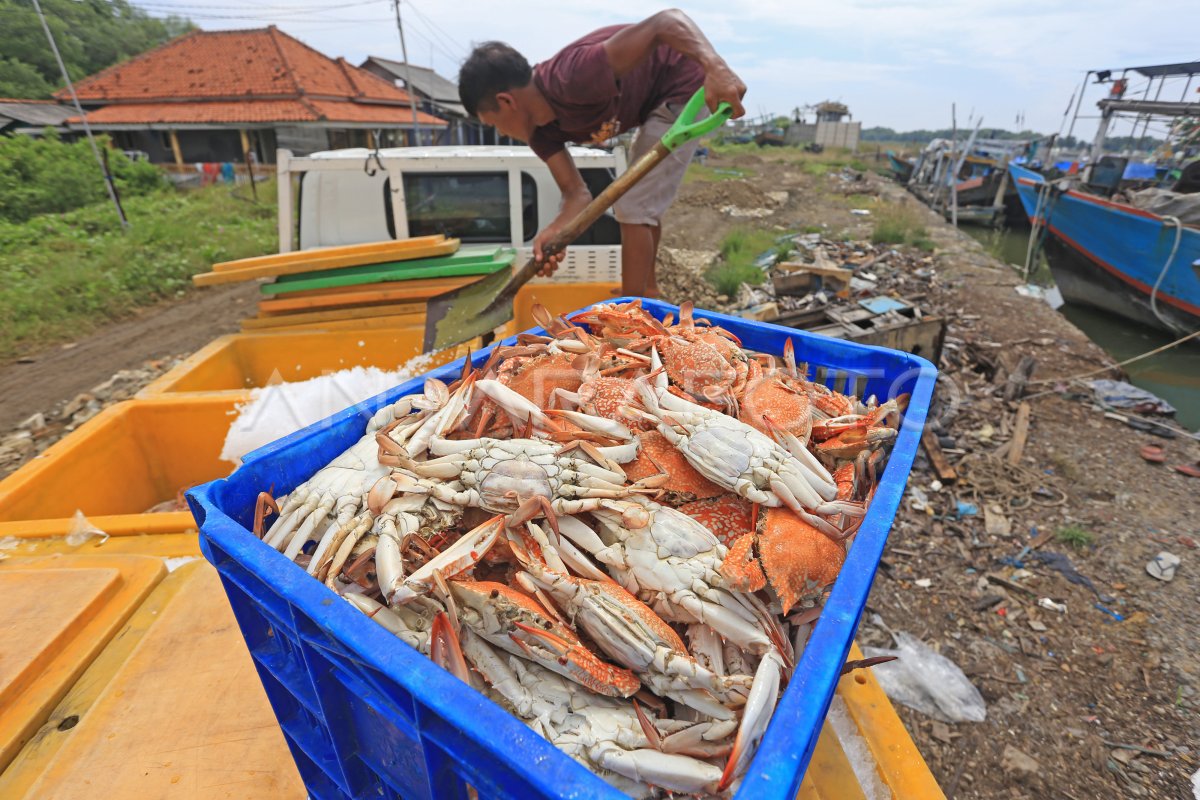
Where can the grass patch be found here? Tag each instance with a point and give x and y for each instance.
(1075, 537)
(702, 173)
(859, 200)
(900, 224)
(739, 249)
(64, 274)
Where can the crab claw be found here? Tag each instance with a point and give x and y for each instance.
(759, 707)
(383, 491)
(264, 502)
(445, 650)
(460, 556)
(514, 404)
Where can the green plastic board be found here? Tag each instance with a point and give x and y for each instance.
(477, 260)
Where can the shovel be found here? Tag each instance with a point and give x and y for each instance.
(469, 311)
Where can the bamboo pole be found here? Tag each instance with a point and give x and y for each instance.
(249, 166)
(175, 148)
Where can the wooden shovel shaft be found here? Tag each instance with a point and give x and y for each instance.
(594, 210)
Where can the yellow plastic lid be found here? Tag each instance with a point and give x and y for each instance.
(59, 612)
(173, 708)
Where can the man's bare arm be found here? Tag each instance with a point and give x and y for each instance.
(575, 197)
(628, 47)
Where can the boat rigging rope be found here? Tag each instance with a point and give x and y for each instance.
(1041, 223)
(1163, 274)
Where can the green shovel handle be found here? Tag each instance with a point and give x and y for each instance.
(686, 128)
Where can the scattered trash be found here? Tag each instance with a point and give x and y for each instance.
(82, 529)
(927, 681)
(1061, 564)
(923, 583)
(1163, 566)
(918, 500)
(1196, 784)
(881, 305)
(1110, 612)
(1013, 760)
(1050, 605)
(860, 212)
(1152, 453)
(1040, 627)
(1119, 394)
(964, 509)
(1191, 470)
(1051, 295)
(176, 562)
(995, 523)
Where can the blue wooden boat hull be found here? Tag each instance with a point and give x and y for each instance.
(903, 169)
(1118, 254)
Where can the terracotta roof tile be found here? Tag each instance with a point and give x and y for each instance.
(262, 63)
(252, 111)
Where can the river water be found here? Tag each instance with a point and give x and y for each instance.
(1173, 375)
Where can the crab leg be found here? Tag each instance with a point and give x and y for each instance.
(461, 555)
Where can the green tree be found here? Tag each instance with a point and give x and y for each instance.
(18, 79)
(43, 175)
(91, 35)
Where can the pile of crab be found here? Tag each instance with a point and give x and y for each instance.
(620, 531)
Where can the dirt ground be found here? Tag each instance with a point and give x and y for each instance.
(35, 384)
(1062, 690)
(1079, 704)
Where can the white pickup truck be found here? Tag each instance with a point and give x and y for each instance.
(479, 194)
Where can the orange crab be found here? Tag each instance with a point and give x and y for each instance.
(658, 456)
(620, 322)
(517, 623)
(728, 516)
(788, 408)
(795, 559)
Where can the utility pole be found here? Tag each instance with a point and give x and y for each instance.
(108, 179)
(412, 97)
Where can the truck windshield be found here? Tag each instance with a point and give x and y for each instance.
(471, 206)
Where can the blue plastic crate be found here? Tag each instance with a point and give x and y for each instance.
(366, 716)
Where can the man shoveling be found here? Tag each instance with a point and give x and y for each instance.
(610, 81)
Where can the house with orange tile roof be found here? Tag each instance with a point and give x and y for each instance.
(217, 96)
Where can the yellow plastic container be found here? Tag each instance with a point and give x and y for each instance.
(128, 458)
(240, 362)
(58, 614)
(171, 708)
(558, 298)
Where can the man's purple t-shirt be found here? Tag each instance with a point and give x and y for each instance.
(591, 105)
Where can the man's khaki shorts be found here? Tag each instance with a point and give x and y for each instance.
(649, 199)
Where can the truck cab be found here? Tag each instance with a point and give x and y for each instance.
(479, 194)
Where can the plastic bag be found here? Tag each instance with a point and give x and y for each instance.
(82, 530)
(927, 681)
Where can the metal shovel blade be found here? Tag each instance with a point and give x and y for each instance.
(469, 311)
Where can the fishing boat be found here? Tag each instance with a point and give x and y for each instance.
(1132, 253)
(967, 182)
(1125, 260)
(902, 168)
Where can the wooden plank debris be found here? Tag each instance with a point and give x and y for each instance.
(941, 465)
(1020, 434)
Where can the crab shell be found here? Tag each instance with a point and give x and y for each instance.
(517, 623)
(604, 397)
(793, 557)
(788, 408)
(536, 377)
(657, 455)
(728, 516)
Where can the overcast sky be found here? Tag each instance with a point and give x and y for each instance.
(895, 63)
